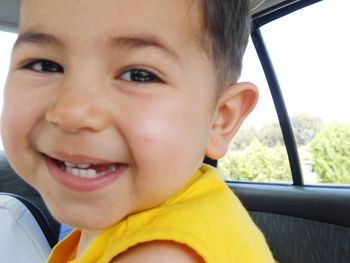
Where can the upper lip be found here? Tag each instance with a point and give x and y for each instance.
(76, 158)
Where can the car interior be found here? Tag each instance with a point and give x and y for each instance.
(301, 222)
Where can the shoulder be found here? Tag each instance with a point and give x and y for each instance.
(157, 252)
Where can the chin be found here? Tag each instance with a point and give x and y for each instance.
(83, 223)
(92, 221)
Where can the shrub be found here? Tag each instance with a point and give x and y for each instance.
(330, 154)
(256, 163)
(305, 128)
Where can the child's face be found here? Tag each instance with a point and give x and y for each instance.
(123, 85)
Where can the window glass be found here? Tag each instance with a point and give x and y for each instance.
(257, 153)
(310, 50)
(6, 43)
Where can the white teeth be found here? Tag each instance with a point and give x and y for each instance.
(84, 173)
(81, 165)
(113, 168)
(88, 173)
(75, 171)
(91, 173)
(69, 164)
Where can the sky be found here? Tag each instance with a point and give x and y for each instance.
(310, 51)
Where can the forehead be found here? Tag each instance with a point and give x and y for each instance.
(86, 19)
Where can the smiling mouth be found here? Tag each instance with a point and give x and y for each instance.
(83, 174)
(85, 170)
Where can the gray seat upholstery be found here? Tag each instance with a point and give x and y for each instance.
(21, 239)
(11, 183)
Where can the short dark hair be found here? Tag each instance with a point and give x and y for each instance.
(226, 28)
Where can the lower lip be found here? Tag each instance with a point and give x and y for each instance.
(80, 184)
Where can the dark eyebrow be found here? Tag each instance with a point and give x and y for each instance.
(37, 38)
(132, 42)
(136, 42)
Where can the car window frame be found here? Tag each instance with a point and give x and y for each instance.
(258, 20)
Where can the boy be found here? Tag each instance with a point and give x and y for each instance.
(110, 107)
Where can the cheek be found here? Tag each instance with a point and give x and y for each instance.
(163, 138)
(165, 155)
(151, 137)
(13, 133)
(24, 104)
(18, 118)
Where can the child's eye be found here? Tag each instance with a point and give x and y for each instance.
(44, 66)
(139, 75)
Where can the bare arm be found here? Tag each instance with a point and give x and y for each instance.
(158, 252)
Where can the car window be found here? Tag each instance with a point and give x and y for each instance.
(313, 74)
(257, 153)
(6, 43)
(310, 53)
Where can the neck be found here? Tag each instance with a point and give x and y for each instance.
(86, 237)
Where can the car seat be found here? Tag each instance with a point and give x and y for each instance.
(10, 182)
(25, 232)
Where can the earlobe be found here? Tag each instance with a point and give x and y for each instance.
(234, 105)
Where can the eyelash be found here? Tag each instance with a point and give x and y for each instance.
(131, 75)
(46, 66)
(139, 75)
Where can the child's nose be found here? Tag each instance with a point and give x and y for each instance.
(75, 109)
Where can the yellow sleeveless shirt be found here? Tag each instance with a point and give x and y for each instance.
(205, 215)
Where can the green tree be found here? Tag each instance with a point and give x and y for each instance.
(330, 153)
(305, 127)
(265, 164)
(253, 165)
(243, 138)
(271, 135)
(257, 163)
(228, 165)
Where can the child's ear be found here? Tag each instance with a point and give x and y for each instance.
(232, 108)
